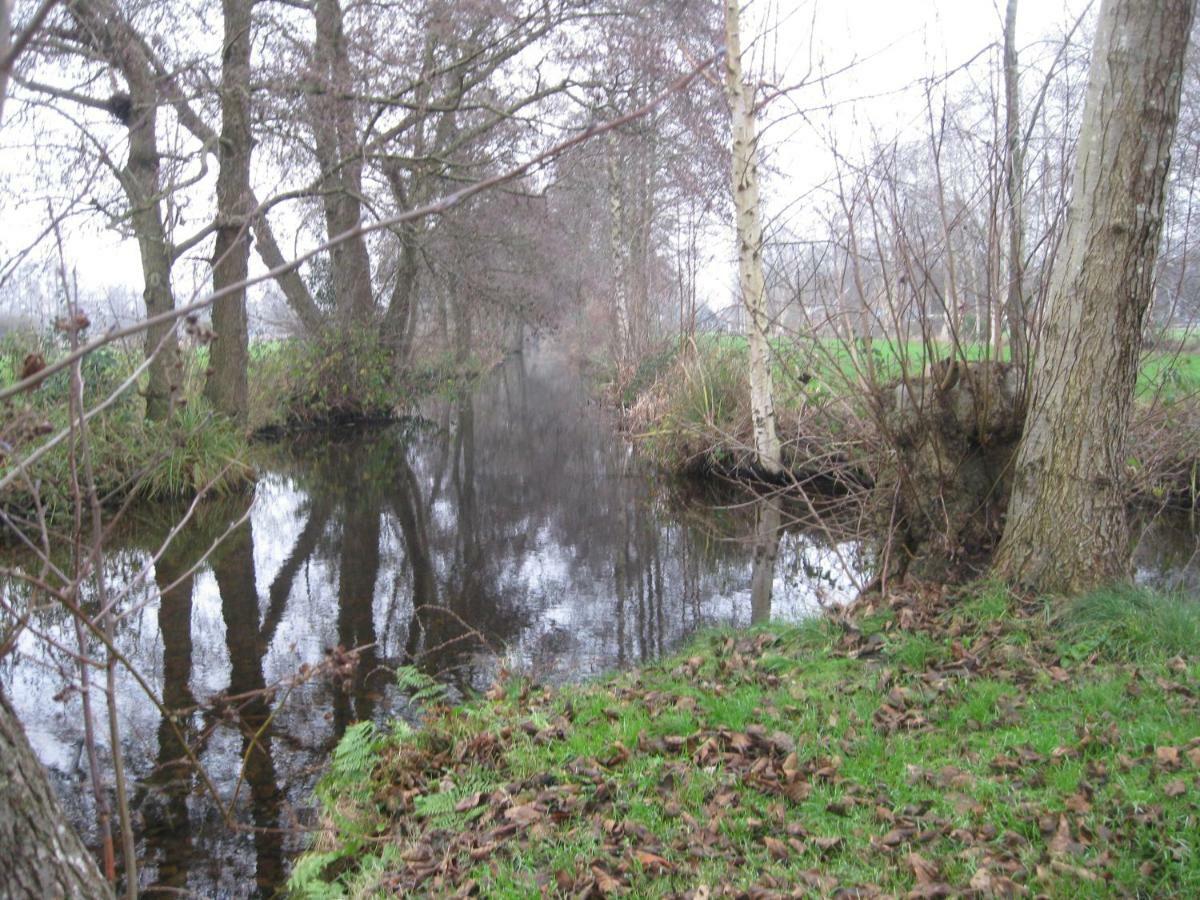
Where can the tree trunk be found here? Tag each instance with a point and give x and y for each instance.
(141, 180)
(1014, 306)
(616, 252)
(5, 45)
(226, 387)
(750, 245)
(341, 164)
(43, 857)
(1067, 528)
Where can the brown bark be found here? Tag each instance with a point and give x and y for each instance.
(1014, 305)
(227, 387)
(5, 45)
(111, 36)
(341, 161)
(43, 857)
(1067, 528)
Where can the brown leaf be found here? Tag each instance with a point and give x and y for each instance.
(897, 836)
(778, 849)
(1078, 804)
(1175, 788)
(990, 885)
(828, 844)
(605, 882)
(618, 755)
(1167, 757)
(467, 803)
(652, 862)
(782, 742)
(1062, 842)
(523, 815)
(923, 870)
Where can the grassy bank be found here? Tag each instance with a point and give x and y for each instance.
(688, 407)
(293, 384)
(931, 745)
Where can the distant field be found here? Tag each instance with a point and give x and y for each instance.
(835, 363)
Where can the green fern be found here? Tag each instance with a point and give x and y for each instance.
(354, 756)
(306, 881)
(441, 808)
(422, 689)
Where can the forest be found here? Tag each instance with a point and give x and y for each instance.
(674, 448)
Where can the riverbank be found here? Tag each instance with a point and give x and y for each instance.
(294, 385)
(929, 744)
(687, 408)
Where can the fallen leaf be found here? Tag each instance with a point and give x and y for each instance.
(467, 803)
(523, 815)
(777, 848)
(1175, 788)
(652, 862)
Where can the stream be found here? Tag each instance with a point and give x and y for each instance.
(506, 528)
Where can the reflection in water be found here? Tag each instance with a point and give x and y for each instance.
(766, 548)
(507, 528)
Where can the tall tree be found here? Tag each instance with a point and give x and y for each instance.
(1067, 528)
(751, 280)
(226, 386)
(1014, 177)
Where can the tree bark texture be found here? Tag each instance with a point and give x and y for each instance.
(751, 280)
(43, 857)
(1067, 526)
(226, 386)
(341, 161)
(1014, 176)
(940, 493)
(5, 44)
(141, 181)
(617, 251)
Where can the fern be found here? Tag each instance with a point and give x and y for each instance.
(422, 689)
(354, 756)
(441, 808)
(306, 881)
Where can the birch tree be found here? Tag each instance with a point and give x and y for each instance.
(1067, 528)
(751, 281)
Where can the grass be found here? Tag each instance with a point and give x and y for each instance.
(933, 744)
(689, 407)
(1133, 623)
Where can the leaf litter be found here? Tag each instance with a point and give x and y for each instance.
(852, 773)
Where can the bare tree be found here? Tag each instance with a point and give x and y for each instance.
(229, 360)
(751, 281)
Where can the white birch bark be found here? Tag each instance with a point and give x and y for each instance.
(751, 281)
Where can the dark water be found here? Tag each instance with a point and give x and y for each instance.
(508, 528)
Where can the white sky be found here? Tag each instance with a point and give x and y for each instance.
(886, 48)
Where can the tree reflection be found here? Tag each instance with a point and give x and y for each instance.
(233, 568)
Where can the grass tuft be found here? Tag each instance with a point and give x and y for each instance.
(1134, 623)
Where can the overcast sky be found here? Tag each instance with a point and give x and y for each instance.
(875, 54)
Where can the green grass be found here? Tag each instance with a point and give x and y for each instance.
(971, 748)
(1133, 623)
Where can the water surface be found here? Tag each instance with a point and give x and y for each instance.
(506, 528)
